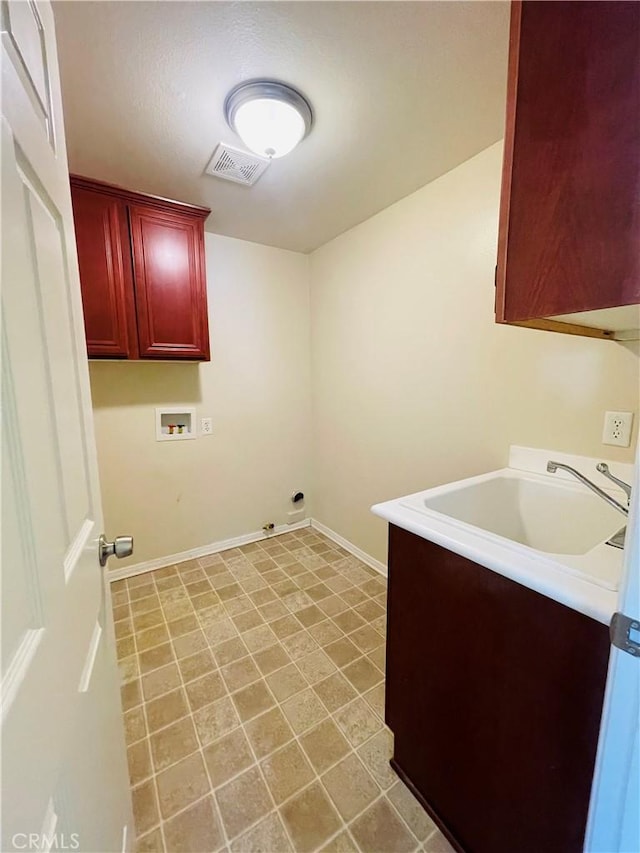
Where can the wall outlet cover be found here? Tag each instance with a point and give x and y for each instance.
(206, 426)
(617, 428)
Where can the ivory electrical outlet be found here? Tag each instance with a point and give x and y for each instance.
(617, 428)
(206, 426)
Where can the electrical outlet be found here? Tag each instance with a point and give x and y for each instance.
(206, 426)
(617, 428)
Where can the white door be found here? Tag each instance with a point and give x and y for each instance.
(64, 764)
(614, 816)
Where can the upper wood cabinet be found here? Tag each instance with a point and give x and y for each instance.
(142, 273)
(570, 216)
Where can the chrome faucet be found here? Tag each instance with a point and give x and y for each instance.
(617, 540)
(552, 467)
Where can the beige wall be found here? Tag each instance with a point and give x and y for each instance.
(413, 383)
(174, 497)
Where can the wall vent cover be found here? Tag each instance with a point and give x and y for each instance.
(235, 165)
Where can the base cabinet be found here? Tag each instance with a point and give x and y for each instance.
(494, 696)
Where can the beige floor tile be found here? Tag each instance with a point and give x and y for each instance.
(160, 681)
(362, 674)
(378, 657)
(272, 611)
(227, 757)
(195, 830)
(370, 610)
(151, 637)
(135, 727)
(145, 806)
(182, 784)
(310, 819)
(288, 586)
(410, 809)
(343, 651)
(315, 666)
(240, 673)
(300, 644)
(285, 682)
(318, 591)
(375, 586)
(210, 615)
(349, 621)
(303, 710)
(124, 627)
(252, 700)
(335, 691)
(125, 647)
(128, 669)
(354, 597)
(155, 658)
(286, 772)
(130, 694)
(205, 690)
(310, 615)
(259, 638)
(350, 786)
(376, 753)
(177, 609)
(366, 638)
(139, 762)
(183, 625)
(286, 626)
(204, 601)
(166, 709)
(376, 698)
(325, 632)
(142, 591)
(232, 590)
(243, 801)
(151, 842)
(195, 666)
(220, 632)
(173, 743)
(271, 659)
(215, 720)
(357, 721)
(324, 745)
(333, 605)
(268, 732)
(230, 651)
(247, 620)
(342, 843)
(380, 830)
(268, 836)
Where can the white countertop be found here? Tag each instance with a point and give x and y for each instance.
(587, 582)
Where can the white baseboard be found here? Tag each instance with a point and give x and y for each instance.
(194, 553)
(349, 546)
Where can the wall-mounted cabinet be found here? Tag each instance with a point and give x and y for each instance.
(142, 273)
(568, 257)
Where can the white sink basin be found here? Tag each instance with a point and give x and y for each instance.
(545, 531)
(548, 515)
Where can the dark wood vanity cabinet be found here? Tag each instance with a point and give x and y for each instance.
(570, 218)
(494, 696)
(142, 274)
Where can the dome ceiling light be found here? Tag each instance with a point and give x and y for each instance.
(269, 117)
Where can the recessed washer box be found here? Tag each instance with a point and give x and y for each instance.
(175, 423)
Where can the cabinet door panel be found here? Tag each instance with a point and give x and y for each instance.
(570, 219)
(104, 258)
(170, 285)
(494, 697)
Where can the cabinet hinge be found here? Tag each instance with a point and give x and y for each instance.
(625, 633)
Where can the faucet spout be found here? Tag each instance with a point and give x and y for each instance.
(552, 467)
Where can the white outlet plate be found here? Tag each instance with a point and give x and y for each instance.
(206, 426)
(617, 428)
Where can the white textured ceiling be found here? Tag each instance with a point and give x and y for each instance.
(401, 91)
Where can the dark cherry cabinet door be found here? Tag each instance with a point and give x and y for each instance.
(170, 284)
(494, 695)
(104, 258)
(570, 217)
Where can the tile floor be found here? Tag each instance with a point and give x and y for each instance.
(253, 696)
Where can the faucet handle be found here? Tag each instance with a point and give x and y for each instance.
(603, 469)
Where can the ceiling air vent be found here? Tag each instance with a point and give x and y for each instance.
(235, 165)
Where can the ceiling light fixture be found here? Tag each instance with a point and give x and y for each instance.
(270, 117)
